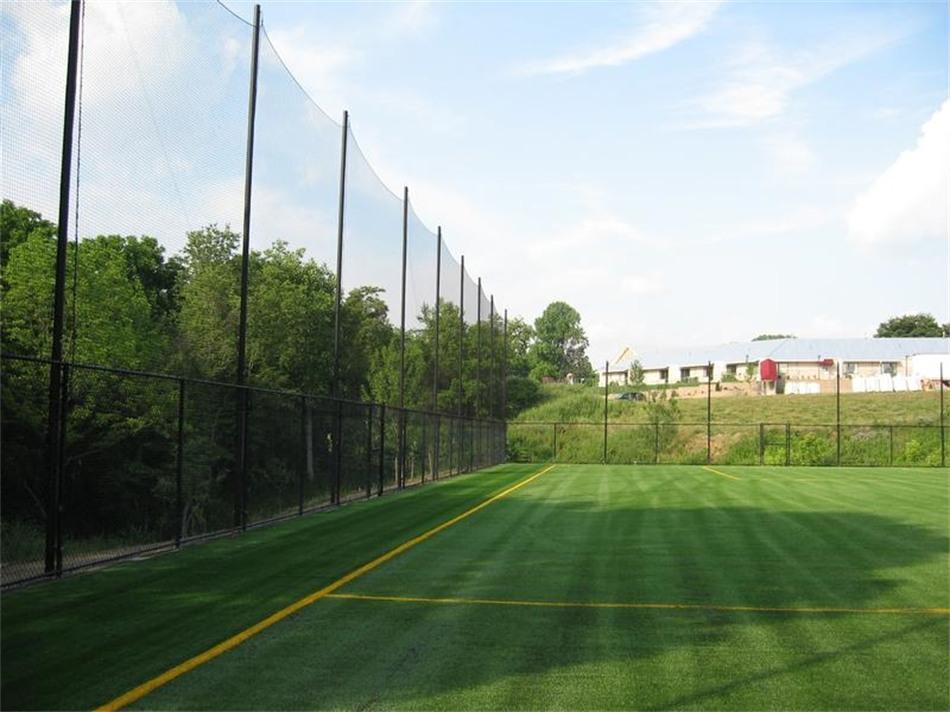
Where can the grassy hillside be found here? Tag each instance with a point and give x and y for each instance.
(572, 404)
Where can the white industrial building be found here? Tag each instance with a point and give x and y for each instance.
(869, 364)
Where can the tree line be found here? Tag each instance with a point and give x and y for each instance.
(131, 306)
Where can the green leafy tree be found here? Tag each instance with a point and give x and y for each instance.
(210, 304)
(17, 224)
(523, 393)
(367, 335)
(118, 426)
(560, 345)
(773, 337)
(520, 339)
(636, 373)
(910, 325)
(108, 317)
(291, 303)
(663, 411)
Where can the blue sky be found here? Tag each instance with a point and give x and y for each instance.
(682, 173)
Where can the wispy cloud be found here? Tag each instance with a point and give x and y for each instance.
(760, 81)
(414, 18)
(663, 25)
(790, 154)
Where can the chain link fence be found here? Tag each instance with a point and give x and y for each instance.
(780, 444)
(148, 461)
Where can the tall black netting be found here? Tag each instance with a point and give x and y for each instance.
(294, 208)
(33, 46)
(158, 442)
(371, 277)
(160, 155)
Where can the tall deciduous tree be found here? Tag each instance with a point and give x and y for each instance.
(913, 325)
(561, 344)
(520, 339)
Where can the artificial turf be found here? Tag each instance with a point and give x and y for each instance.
(589, 588)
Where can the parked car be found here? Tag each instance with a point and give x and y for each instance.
(633, 395)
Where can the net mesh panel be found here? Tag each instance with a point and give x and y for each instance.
(469, 360)
(812, 445)
(296, 165)
(34, 40)
(774, 439)
(356, 473)
(160, 147)
(449, 314)
(209, 485)
(630, 444)
(275, 457)
(294, 206)
(735, 444)
(105, 516)
(319, 465)
(160, 144)
(421, 254)
(420, 447)
(372, 259)
(23, 484)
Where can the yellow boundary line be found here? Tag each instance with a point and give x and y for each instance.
(636, 606)
(721, 474)
(142, 690)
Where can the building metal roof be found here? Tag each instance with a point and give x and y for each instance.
(796, 350)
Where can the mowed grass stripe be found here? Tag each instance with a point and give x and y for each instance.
(144, 689)
(637, 606)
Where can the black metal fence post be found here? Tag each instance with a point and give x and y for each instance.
(606, 397)
(461, 391)
(54, 414)
(241, 445)
(709, 413)
(491, 381)
(890, 446)
(382, 447)
(788, 444)
(369, 449)
(61, 459)
(304, 453)
(838, 416)
(338, 318)
(401, 459)
(180, 467)
(943, 427)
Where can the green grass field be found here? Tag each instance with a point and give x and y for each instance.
(586, 587)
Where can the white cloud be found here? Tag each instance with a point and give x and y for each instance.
(412, 18)
(760, 81)
(642, 284)
(790, 154)
(910, 201)
(664, 25)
